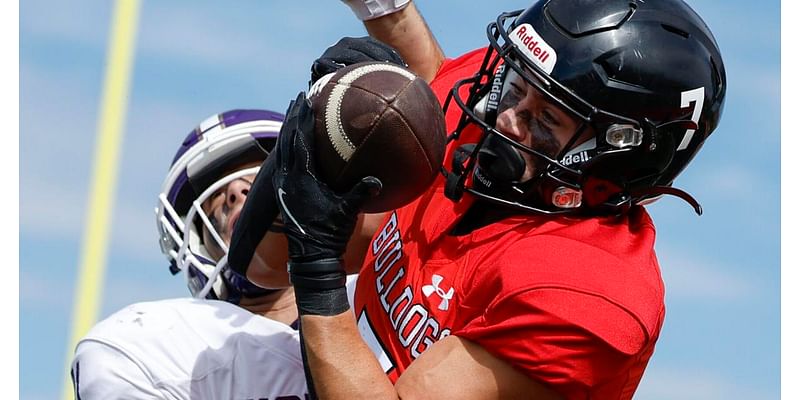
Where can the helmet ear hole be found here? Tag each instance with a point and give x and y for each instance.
(622, 171)
(597, 191)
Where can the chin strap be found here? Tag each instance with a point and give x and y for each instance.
(662, 190)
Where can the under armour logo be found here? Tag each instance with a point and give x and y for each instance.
(428, 290)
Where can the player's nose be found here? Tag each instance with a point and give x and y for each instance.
(509, 123)
(237, 191)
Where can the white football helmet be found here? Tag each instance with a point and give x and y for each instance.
(206, 161)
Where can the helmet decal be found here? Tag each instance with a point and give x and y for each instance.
(534, 48)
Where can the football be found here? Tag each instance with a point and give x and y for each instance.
(378, 119)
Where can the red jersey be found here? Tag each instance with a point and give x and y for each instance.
(576, 304)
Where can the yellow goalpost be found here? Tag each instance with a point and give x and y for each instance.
(110, 126)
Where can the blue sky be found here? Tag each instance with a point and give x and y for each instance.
(721, 338)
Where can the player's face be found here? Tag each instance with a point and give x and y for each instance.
(223, 209)
(527, 117)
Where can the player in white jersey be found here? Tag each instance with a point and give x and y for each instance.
(217, 345)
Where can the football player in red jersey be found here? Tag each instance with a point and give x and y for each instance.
(527, 270)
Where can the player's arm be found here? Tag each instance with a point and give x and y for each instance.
(102, 372)
(479, 375)
(452, 368)
(332, 348)
(340, 365)
(407, 31)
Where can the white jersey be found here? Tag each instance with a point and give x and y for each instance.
(189, 349)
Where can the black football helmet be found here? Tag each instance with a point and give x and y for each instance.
(646, 77)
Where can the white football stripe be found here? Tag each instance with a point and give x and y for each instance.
(333, 116)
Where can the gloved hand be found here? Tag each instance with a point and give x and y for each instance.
(257, 216)
(348, 51)
(318, 223)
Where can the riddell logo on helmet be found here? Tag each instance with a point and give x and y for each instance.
(534, 47)
(497, 89)
(579, 157)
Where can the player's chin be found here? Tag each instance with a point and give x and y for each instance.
(232, 220)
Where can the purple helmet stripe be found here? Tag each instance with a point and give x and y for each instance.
(191, 139)
(233, 117)
(182, 180)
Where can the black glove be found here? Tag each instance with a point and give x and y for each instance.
(257, 216)
(348, 51)
(317, 222)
